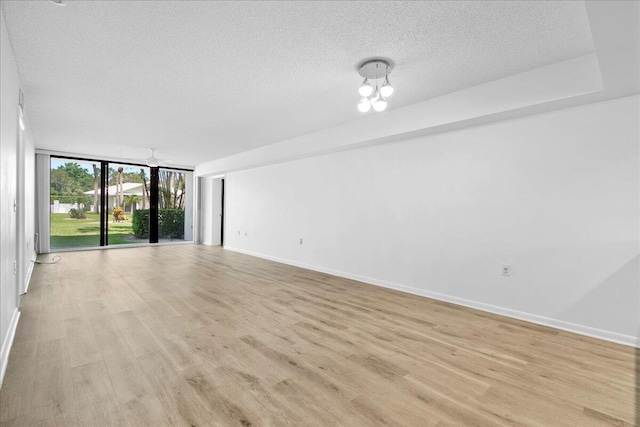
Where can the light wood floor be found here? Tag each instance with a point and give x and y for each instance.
(196, 336)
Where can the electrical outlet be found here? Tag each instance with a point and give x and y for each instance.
(506, 269)
(300, 241)
(238, 232)
(245, 234)
(15, 268)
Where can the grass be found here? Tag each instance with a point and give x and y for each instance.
(67, 232)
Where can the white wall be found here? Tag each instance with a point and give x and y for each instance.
(26, 188)
(29, 210)
(16, 184)
(9, 86)
(188, 206)
(555, 195)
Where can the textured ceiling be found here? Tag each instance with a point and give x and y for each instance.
(203, 80)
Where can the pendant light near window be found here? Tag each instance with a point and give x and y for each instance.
(376, 75)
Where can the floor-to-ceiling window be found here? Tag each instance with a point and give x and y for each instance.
(175, 198)
(75, 206)
(127, 219)
(101, 203)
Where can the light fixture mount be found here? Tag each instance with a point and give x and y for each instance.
(376, 68)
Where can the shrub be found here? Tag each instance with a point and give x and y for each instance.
(170, 223)
(118, 214)
(140, 223)
(77, 213)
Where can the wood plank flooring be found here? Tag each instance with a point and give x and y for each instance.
(190, 335)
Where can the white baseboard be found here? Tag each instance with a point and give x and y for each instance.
(589, 331)
(27, 278)
(7, 343)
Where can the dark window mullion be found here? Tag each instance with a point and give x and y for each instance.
(153, 206)
(104, 185)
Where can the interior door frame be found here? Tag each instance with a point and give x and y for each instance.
(222, 215)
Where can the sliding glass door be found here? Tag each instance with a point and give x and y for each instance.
(128, 204)
(174, 205)
(75, 206)
(101, 203)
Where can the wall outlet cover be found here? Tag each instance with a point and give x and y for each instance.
(506, 270)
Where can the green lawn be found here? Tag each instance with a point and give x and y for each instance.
(67, 232)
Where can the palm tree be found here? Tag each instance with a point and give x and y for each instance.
(145, 190)
(96, 181)
(179, 188)
(172, 185)
(119, 191)
(131, 200)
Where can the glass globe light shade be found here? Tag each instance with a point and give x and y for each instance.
(365, 88)
(380, 104)
(364, 105)
(386, 89)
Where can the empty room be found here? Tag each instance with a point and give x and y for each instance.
(319, 213)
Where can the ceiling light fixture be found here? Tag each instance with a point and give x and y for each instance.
(376, 75)
(58, 2)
